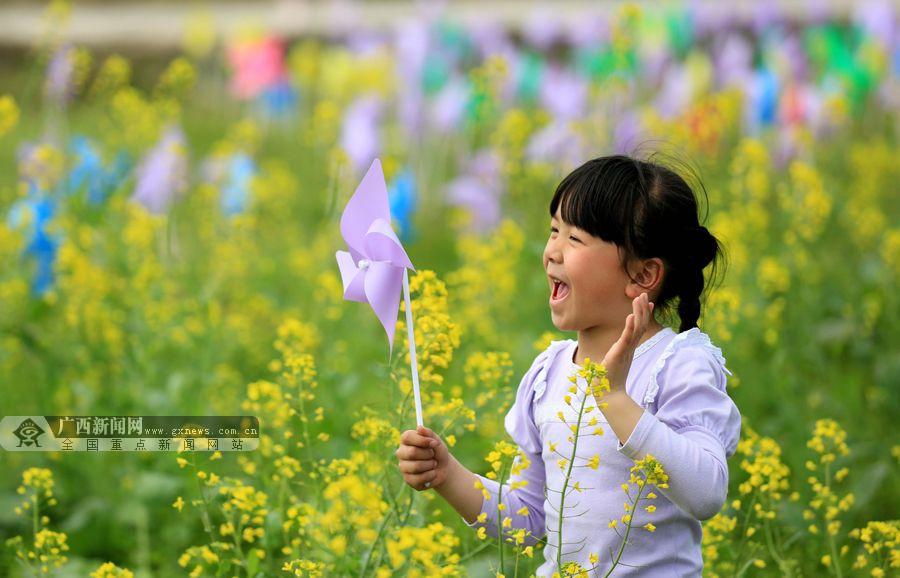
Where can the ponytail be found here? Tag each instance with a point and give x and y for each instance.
(703, 249)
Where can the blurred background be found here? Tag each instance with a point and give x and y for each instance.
(171, 180)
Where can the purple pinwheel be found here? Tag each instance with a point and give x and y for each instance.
(60, 71)
(563, 93)
(360, 131)
(162, 174)
(479, 189)
(373, 270)
(627, 132)
(411, 47)
(542, 29)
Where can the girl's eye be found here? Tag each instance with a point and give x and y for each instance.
(574, 238)
(553, 230)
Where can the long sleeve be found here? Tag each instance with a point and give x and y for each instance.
(531, 497)
(695, 429)
(523, 430)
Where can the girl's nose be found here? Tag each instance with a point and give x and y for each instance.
(551, 253)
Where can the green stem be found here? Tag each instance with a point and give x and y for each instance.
(474, 551)
(368, 556)
(282, 494)
(744, 536)
(562, 499)
(35, 518)
(304, 420)
(207, 524)
(27, 566)
(405, 516)
(503, 475)
(402, 522)
(835, 561)
(35, 506)
(785, 569)
(634, 505)
(744, 568)
(143, 540)
(236, 538)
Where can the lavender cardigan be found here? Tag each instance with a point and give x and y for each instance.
(689, 423)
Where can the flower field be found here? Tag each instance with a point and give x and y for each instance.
(168, 237)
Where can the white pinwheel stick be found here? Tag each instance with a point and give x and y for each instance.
(413, 365)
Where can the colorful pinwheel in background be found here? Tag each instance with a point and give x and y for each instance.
(375, 267)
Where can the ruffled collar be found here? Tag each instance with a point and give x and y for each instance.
(567, 347)
(639, 350)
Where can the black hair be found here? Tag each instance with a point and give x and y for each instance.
(648, 210)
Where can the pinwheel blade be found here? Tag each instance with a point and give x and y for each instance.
(352, 277)
(382, 244)
(383, 285)
(368, 203)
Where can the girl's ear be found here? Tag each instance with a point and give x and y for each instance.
(648, 276)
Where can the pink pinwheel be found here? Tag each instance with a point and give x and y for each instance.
(258, 63)
(375, 267)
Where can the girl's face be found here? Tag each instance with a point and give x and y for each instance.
(593, 288)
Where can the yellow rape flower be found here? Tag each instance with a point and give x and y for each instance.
(110, 570)
(9, 114)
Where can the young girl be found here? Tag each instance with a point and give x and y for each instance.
(625, 245)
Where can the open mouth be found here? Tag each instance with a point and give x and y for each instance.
(560, 291)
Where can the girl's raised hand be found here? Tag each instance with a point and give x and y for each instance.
(618, 358)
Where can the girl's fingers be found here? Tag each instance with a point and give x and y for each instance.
(418, 480)
(434, 440)
(413, 438)
(417, 466)
(635, 325)
(619, 348)
(626, 337)
(414, 453)
(645, 313)
(638, 325)
(638, 317)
